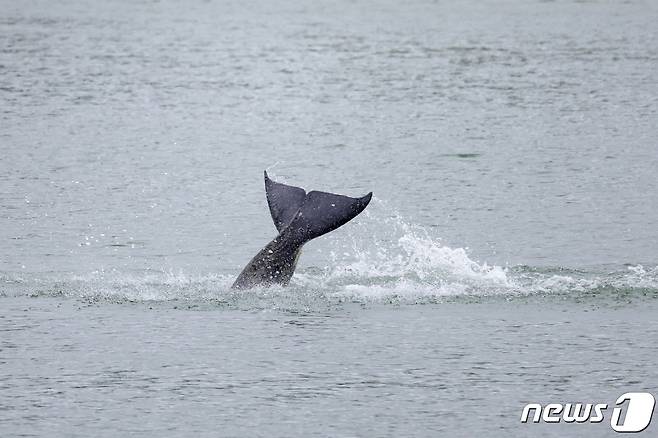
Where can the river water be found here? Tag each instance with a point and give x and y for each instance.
(508, 256)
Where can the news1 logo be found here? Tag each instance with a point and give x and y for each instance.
(632, 412)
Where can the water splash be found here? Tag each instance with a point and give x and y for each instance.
(385, 258)
(388, 257)
(382, 258)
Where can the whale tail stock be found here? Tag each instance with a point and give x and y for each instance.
(310, 215)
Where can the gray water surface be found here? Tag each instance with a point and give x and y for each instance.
(509, 255)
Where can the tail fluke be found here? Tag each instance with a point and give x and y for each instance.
(310, 215)
(283, 200)
(323, 212)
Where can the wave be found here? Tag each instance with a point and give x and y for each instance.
(313, 288)
(397, 262)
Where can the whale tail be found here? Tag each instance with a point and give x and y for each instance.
(310, 215)
(299, 217)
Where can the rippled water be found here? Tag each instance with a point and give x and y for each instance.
(509, 255)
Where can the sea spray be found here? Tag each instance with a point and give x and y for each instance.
(382, 258)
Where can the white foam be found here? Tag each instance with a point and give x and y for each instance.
(379, 258)
(386, 256)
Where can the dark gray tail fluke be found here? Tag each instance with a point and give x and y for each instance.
(284, 201)
(307, 216)
(323, 212)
